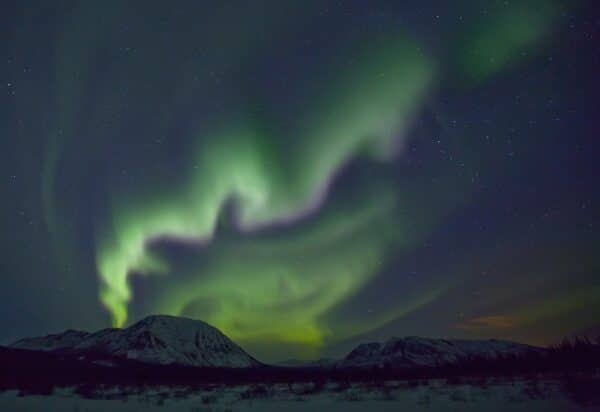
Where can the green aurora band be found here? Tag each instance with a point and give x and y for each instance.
(293, 279)
(368, 110)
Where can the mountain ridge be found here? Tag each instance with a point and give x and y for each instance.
(179, 341)
(415, 351)
(156, 339)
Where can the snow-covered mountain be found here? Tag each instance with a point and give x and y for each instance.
(170, 340)
(415, 351)
(162, 340)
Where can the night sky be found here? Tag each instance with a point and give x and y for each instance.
(304, 175)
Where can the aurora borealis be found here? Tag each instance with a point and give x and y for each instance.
(302, 175)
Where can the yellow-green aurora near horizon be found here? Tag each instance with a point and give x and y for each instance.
(365, 112)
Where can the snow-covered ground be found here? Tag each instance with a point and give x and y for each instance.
(519, 395)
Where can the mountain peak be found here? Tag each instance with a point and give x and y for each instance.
(157, 339)
(168, 323)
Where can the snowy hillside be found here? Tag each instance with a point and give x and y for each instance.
(416, 351)
(159, 340)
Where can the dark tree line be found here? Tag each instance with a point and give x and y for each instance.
(41, 371)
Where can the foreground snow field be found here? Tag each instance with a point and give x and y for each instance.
(438, 395)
